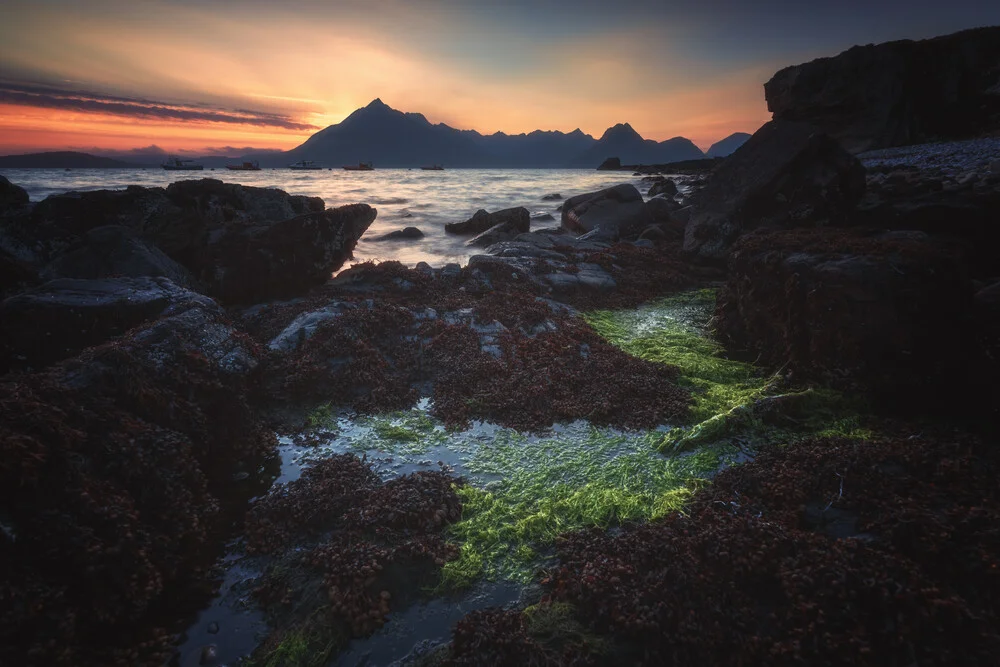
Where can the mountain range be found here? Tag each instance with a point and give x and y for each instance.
(389, 138)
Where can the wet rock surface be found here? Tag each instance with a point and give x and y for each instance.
(518, 218)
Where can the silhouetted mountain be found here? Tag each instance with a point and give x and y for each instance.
(627, 145)
(728, 145)
(60, 160)
(389, 138)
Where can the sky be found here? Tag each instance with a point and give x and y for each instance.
(230, 76)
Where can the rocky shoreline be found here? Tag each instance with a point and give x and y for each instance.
(841, 400)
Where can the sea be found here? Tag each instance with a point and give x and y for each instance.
(404, 197)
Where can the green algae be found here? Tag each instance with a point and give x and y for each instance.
(309, 645)
(546, 487)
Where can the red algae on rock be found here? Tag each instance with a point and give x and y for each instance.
(363, 544)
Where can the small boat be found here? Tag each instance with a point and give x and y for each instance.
(177, 164)
(305, 164)
(361, 166)
(433, 167)
(246, 166)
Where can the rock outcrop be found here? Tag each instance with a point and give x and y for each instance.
(890, 314)
(897, 93)
(241, 244)
(786, 175)
(62, 317)
(519, 218)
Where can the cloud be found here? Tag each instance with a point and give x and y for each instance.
(50, 97)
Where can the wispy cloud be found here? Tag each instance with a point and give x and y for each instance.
(50, 97)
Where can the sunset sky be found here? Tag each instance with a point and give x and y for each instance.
(227, 76)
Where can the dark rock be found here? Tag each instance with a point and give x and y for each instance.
(617, 212)
(115, 251)
(62, 317)
(12, 197)
(241, 243)
(887, 315)
(401, 234)
(213, 628)
(611, 164)
(15, 275)
(519, 217)
(552, 197)
(505, 231)
(896, 93)
(786, 175)
(523, 249)
(544, 217)
(665, 187)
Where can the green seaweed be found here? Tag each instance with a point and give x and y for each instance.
(547, 487)
(308, 645)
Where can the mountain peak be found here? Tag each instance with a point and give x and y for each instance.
(377, 103)
(620, 131)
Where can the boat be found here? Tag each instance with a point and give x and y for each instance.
(246, 166)
(361, 166)
(305, 164)
(177, 164)
(433, 167)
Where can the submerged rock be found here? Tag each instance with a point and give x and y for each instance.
(786, 175)
(401, 234)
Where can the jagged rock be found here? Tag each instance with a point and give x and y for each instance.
(665, 187)
(115, 251)
(617, 212)
(896, 93)
(58, 319)
(890, 314)
(611, 164)
(242, 244)
(786, 175)
(519, 217)
(401, 234)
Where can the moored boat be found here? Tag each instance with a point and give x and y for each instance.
(305, 164)
(246, 166)
(177, 164)
(433, 167)
(361, 166)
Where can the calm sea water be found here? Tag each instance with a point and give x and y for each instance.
(403, 197)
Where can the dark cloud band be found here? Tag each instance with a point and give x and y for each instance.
(47, 97)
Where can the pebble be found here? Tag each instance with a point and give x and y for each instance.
(213, 628)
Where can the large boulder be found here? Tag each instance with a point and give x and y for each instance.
(785, 175)
(897, 93)
(617, 212)
(888, 314)
(519, 218)
(62, 317)
(275, 243)
(115, 251)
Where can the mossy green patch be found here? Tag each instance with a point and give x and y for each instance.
(543, 488)
(308, 645)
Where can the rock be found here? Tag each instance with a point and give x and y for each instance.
(617, 212)
(888, 315)
(665, 187)
(652, 235)
(611, 164)
(242, 244)
(62, 317)
(115, 251)
(304, 326)
(785, 175)
(896, 93)
(552, 197)
(213, 628)
(587, 277)
(995, 166)
(12, 197)
(401, 234)
(643, 243)
(15, 275)
(543, 217)
(505, 231)
(663, 212)
(285, 258)
(519, 218)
